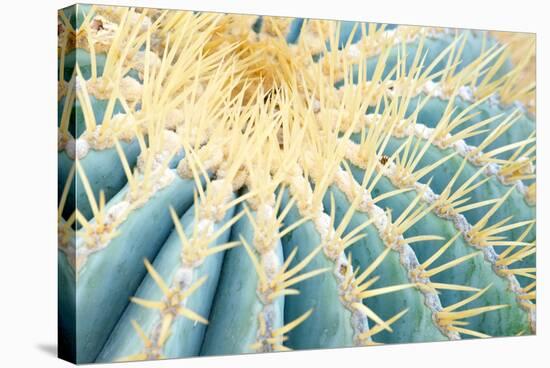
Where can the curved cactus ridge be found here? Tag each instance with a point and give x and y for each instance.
(331, 325)
(237, 332)
(115, 258)
(416, 325)
(186, 336)
(237, 184)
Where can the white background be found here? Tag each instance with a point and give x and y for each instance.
(28, 146)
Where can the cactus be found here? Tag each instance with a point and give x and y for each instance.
(235, 184)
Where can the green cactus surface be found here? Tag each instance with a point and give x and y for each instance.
(235, 184)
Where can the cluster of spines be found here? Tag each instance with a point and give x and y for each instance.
(197, 138)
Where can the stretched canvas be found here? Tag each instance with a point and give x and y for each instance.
(235, 184)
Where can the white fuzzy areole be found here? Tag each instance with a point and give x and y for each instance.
(174, 118)
(354, 51)
(210, 156)
(271, 263)
(183, 277)
(77, 149)
(117, 211)
(63, 139)
(116, 214)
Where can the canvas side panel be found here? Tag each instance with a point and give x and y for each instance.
(66, 300)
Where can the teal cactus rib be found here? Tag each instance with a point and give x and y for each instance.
(103, 170)
(66, 294)
(66, 307)
(82, 58)
(76, 14)
(346, 183)
(347, 27)
(294, 31)
(445, 177)
(234, 321)
(346, 30)
(201, 300)
(110, 276)
(85, 68)
(431, 114)
(418, 323)
(64, 164)
(512, 206)
(186, 336)
(321, 228)
(433, 47)
(475, 272)
(330, 323)
(99, 106)
(516, 205)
